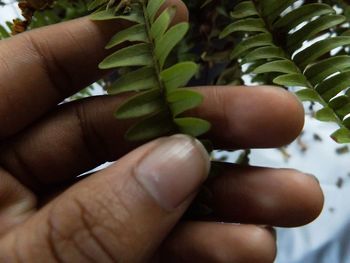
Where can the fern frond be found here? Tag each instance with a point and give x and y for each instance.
(160, 100)
(293, 45)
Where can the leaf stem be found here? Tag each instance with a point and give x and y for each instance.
(151, 40)
(156, 64)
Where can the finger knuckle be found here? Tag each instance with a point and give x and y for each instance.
(90, 230)
(42, 52)
(95, 144)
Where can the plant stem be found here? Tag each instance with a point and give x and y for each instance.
(156, 64)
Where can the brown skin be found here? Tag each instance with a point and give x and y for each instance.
(44, 146)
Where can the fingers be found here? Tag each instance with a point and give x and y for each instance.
(120, 214)
(252, 118)
(38, 69)
(81, 135)
(278, 197)
(215, 242)
(17, 203)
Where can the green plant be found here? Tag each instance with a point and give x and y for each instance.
(159, 100)
(297, 44)
(300, 45)
(266, 39)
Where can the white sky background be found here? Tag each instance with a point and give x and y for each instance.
(320, 159)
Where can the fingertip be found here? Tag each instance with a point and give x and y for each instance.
(278, 197)
(291, 108)
(285, 117)
(311, 199)
(251, 117)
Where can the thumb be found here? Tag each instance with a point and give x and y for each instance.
(120, 214)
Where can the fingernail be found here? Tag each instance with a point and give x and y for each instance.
(174, 170)
(314, 177)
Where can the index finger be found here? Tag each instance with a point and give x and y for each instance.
(38, 69)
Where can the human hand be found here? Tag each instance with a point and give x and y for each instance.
(123, 213)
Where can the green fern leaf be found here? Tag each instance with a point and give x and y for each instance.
(192, 126)
(281, 66)
(315, 51)
(110, 15)
(260, 40)
(141, 105)
(317, 72)
(131, 34)
(243, 10)
(312, 29)
(269, 52)
(136, 55)
(278, 55)
(273, 9)
(290, 80)
(310, 95)
(150, 41)
(342, 135)
(161, 24)
(169, 40)
(302, 14)
(137, 80)
(182, 100)
(178, 75)
(151, 127)
(326, 114)
(341, 105)
(246, 25)
(153, 7)
(333, 85)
